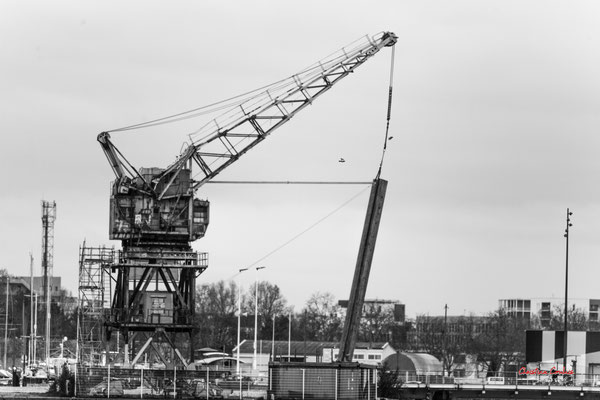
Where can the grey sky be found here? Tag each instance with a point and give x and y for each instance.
(495, 124)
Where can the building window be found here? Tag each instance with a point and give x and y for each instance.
(158, 304)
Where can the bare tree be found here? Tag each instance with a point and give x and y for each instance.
(578, 321)
(502, 342)
(322, 317)
(445, 339)
(216, 308)
(270, 303)
(376, 324)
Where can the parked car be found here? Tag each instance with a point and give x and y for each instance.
(199, 390)
(544, 380)
(101, 389)
(5, 378)
(412, 383)
(238, 377)
(144, 389)
(180, 390)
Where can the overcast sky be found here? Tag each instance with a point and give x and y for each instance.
(495, 123)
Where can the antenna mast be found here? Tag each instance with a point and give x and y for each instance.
(48, 217)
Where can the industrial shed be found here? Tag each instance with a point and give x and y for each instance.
(420, 367)
(335, 381)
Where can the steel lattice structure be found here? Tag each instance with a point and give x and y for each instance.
(48, 218)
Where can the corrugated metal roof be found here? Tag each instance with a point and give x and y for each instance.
(421, 363)
(207, 350)
(281, 347)
(210, 360)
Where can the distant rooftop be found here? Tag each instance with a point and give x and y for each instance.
(301, 347)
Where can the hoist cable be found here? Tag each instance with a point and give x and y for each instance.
(293, 182)
(310, 227)
(305, 230)
(389, 113)
(246, 97)
(208, 106)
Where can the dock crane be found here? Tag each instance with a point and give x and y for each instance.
(155, 214)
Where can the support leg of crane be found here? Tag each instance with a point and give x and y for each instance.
(362, 270)
(142, 350)
(191, 342)
(160, 355)
(126, 347)
(175, 349)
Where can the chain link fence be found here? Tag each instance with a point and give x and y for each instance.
(522, 377)
(336, 381)
(343, 381)
(164, 383)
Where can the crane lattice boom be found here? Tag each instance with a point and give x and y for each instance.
(224, 139)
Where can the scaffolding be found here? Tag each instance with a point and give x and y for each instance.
(94, 299)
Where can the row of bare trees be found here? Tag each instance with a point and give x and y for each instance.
(496, 339)
(320, 319)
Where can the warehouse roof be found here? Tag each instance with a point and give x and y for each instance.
(421, 363)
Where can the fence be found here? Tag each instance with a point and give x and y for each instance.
(522, 377)
(336, 381)
(164, 383)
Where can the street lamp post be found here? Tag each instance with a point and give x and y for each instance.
(254, 363)
(273, 341)
(6, 321)
(444, 354)
(569, 224)
(289, 337)
(239, 323)
(35, 296)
